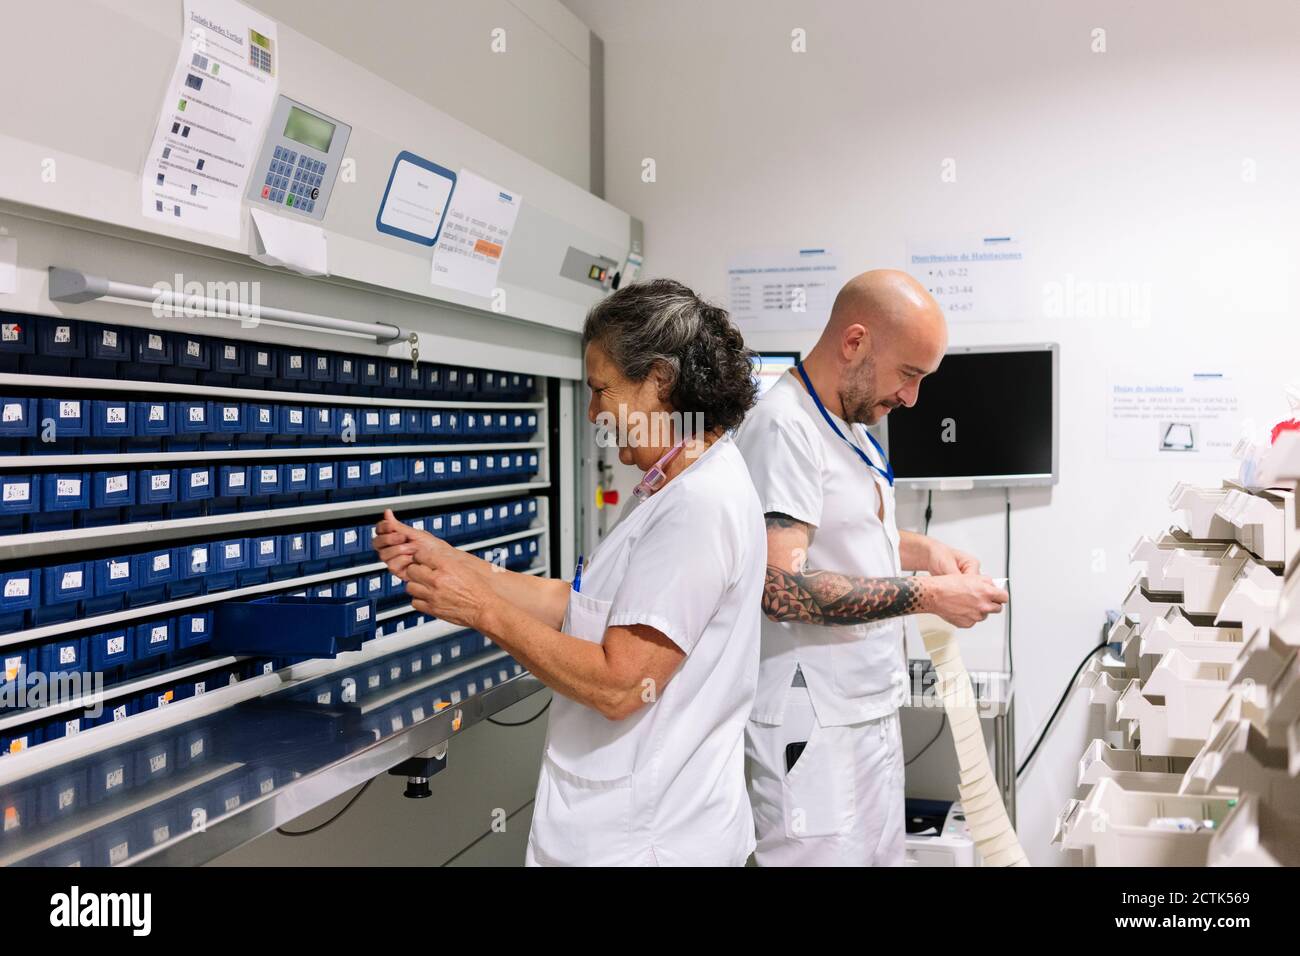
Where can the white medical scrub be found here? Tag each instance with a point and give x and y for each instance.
(666, 786)
(841, 803)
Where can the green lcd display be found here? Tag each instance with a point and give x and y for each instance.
(309, 129)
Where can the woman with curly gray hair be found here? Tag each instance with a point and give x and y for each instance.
(652, 648)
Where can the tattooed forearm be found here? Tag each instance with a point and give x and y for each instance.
(824, 597)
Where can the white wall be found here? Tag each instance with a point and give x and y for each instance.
(1123, 166)
(533, 97)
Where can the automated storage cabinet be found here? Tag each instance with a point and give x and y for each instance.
(184, 520)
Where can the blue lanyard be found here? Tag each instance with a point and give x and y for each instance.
(888, 471)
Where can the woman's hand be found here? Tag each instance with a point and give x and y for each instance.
(449, 587)
(397, 544)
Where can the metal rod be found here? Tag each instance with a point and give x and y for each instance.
(73, 285)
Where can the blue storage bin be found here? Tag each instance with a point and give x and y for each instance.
(111, 648)
(263, 361)
(232, 481)
(472, 427)
(488, 525)
(290, 626)
(18, 739)
(394, 377)
(64, 796)
(346, 371)
(17, 421)
(394, 423)
(114, 579)
(64, 655)
(155, 487)
(193, 421)
(154, 420)
(267, 479)
(348, 424)
(495, 469)
(455, 527)
(110, 420)
(473, 473)
(261, 421)
(295, 365)
(531, 506)
(194, 560)
(374, 469)
(153, 638)
(110, 777)
(153, 571)
(229, 357)
(454, 383)
(193, 628)
(196, 484)
(353, 477)
(349, 588)
(58, 338)
(415, 378)
(371, 421)
(297, 477)
(229, 418)
(112, 489)
(473, 531)
(322, 367)
(373, 585)
(494, 386)
(417, 472)
(19, 495)
(17, 341)
(352, 541)
(192, 352)
(230, 555)
(296, 549)
(470, 383)
(293, 422)
(438, 471)
(153, 758)
(435, 377)
(61, 418)
(16, 663)
(106, 348)
(323, 475)
(264, 551)
(20, 592)
(324, 544)
(395, 470)
(371, 372)
(322, 420)
(152, 348)
(113, 711)
(62, 493)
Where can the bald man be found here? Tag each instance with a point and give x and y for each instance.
(824, 755)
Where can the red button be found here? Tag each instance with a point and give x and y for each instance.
(266, 192)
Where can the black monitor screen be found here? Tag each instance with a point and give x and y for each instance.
(980, 415)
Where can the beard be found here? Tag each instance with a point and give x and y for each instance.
(858, 398)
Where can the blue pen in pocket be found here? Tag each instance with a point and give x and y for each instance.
(577, 576)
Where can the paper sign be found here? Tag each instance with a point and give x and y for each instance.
(779, 290)
(475, 235)
(214, 112)
(974, 279)
(1172, 415)
(415, 201)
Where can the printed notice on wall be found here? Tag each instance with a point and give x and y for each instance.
(213, 115)
(1173, 415)
(974, 279)
(782, 289)
(474, 235)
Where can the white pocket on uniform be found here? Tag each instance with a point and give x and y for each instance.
(818, 791)
(578, 821)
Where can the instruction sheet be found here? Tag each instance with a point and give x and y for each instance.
(474, 235)
(213, 115)
(777, 290)
(1173, 414)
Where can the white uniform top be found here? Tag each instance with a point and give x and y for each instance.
(666, 785)
(803, 469)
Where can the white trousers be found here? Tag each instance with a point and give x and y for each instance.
(841, 804)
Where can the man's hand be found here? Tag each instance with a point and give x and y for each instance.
(963, 600)
(945, 559)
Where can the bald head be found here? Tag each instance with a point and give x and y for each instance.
(885, 334)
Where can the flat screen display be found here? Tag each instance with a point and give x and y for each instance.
(986, 415)
(770, 366)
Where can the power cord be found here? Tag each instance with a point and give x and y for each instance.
(321, 826)
(1011, 659)
(521, 723)
(937, 734)
(929, 510)
(1059, 704)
